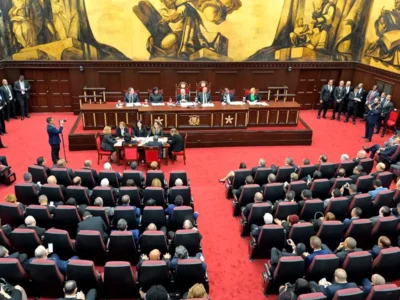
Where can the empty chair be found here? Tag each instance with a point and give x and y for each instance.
(286, 209)
(310, 208)
(348, 167)
(190, 239)
(270, 236)
(364, 183)
(360, 230)
(47, 281)
(387, 263)
(122, 247)
(306, 170)
(133, 193)
(153, 272)
(179, 215)
(322, 266)
(105, 193)
(327, 170)
(155, 174)
(362, 201)
(111, 176)
(84, 274)
(41, 214)
(301, 233)
(97, 211)
(384, 292)
(189, 272)
(338, 206)
(153, 214)
(62, 176)
(12, 271)
(128, 213)
(25, 241)
(11, 213)
(237, 181)
(273, 192)
(26, 193)
(330, 233)
(67, 218)
(386, 178)
(386, 226)
(367, 164)
(320, 188)
(89, 245)
(151, 240)
(62, 243)
(119, 281)
(80, 194)
(283, 174)
(87, 178)
(256, 217)
(246, 197)
(297, 187)
(339, 182)
(384, 198)
(358, 266)
(312, 296)
(350, 294)
(174, 175)
(53, 192)
(155, 193)
(261, 176)
(183, 191)
(38, 173)
(134, 175)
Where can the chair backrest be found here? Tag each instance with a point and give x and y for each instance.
(128, 213)
(153, 214)
(359, 230)
(53, 192)
(320, 188)
(122, 247)
(86, 177)
(97, 211)
(348, 166)
(151, 154)
(261, 176)
(362, 201)
(47, 280)
(150, 91)
(182, 85)
(26, 193)
(257, 212)
(156, 193)
(190, 239)
(328, 170)
(41, 214)
(330, 233)
(367, 164)
(364, 183)
(312, 296)
(386, 178)
(306, 170)
(270, 236)
(84, 274)
(301, 233)
(153, 272)
(297, 187)
(240, 177)
(350, 294)
(179, 215)
(111, 176)
(134, 175)
(131, 152)
(133, 193)
(62, 176)
(119, 280)
(98, 142)
(12, 271)
(154, 174)
(285, 209)
(283, 173)
(105, 193)
(4, 241)
(202, 84)
(247, 194)
(90, 245)
(310, 208)
(38, 173)
(80, 194)
(62, 243)
(25, 240)
(357, 265)
(188, 272)
(174, 175)
(150, 240)
(386, 226)
(384, 198)
(183, 191)
(338, 206)
(289, 269)
(273, 192)
(384, 291)
(387, 263)
(322, 266)
(339, 182)
(11, 213)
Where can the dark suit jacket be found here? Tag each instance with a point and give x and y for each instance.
(54, 134)
(22, 257)
(347, 94)
(375, 251)
(339, 93)
(389, 150)
(6, 94)
(366, 286)
(204, 99)
(134, 98)
(224, 97)
(17, 89)
(119, 133)
(94, 173)
(108, 142)
(352, 97)
(347, 221)
(39, 230)
(140, 133)
(342, 254)
(372, 93)
(374, 114)
(326, 95)
(177, 143)
(94, 223)
(256, 97)
(179, 98)
(330, 290)
(153, 98)
(387, 109)
(309, 259)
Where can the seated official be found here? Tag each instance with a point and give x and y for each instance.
(316, 245)
(383, 243)
(176, 143)
(10, 198)
(53, 180)
(88, 166)
(231, 174)
(62, 163)
(107, 167)
(227, 96)
(367, 285)
(154, 255)
(204, 96)
(355, 214)
(41, 161)
(156, 143)
(30, 223)
(155, 96)
(121, 130)
(252, 96)
(182, 96)
(131, 96)
(71, 292)
(348, 246)
(128, 140)
(182, 253)
(339, 283)
(122, 225)
(139, 130)
(44, 201)
(93, 223)
(156, 129)
(22, 257)
(108, 142)
(77, 181)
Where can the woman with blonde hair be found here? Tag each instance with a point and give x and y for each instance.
(253, 97)
(10, 198)
(121, 130)
(156, 129)
(156, 182)
(196, 291)
(108, 142)
(176, 143)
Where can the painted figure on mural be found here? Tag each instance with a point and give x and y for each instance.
(23, 25)
(301, 34)
(387, 28)
(322, 19)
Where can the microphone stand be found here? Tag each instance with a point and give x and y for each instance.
(63, 144)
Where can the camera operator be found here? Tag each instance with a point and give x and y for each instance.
(54, 138)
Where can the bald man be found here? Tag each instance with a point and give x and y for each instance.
(30, 223)
(380, 167)
(52, 180)
(362, 154)
(258, 198)
(153, 255)
(348, 246)
(329, 289)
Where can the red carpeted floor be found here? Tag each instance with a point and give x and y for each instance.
(232, 275)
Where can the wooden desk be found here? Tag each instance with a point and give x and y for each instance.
(97, 116)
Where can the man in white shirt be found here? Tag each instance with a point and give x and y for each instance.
(22, 91)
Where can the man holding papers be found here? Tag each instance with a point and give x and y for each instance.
(182, 96)
(352, 107)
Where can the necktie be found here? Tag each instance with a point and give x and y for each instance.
(204, 98)
(9, 92)
(329, 88)
(386, 102)
(372, 95)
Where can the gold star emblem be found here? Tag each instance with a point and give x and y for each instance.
(159, 120)
(228, 120)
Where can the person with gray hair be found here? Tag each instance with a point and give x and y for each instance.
(107, 167)
(367, 285)
(126, 201)
(339, 283)
(106, 183)
(156, 143)
(71, 292)
(22, 257)
(122, 225)
(182, 253)
(344, 157)
(261, 164)
(30, 223)
(134, 167)
(88, 166)
(28, 179)
(255, 230)
(42, 253)
(99, 203)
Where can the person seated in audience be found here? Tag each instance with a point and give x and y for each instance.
(237, 192)
(340, 174)
(384, 211)
(107, 167)
(305, 195)
(156, 292)
(289, 197)
(290, 163)
(77, 181)
(131, 183)
(150, 202)
(336, 193)
(316, 175)
(156, 183)
(153, 255)
(87, 165)
(121, 130)
(126, 201)
(16, 293)
(348, 246)
(30, 223)
(28, 179)
(22, 257)
(288, 223)
(99, 203)
(52, 180)
(261, 164)
(10, 198)
(189, 225)
(328, 217)
(134, 167)
(322, 160)
(178, 202)
(139, 130)
(42, 253)
(252, 96)
(106, 183)
(156, 143)
(351, 189)
(384, 153)
(377, 184)
(156, 129)
(258, 198)
(108, 143)
(362, 154)
(153, 227)
(127, 140)
(176, 143)
(383, 243)
(44, 201)
(154, 165)
(396, 211)
(197, 291)
(339, 283)
(358, 171)
(255, 230)
(380, 167)
(344, 157)
(276, 254)
(93, 223)
(316, 245)
(61, 163)
(270, 179)
(231, 174)
(71, 292)
(355, 214)
(122, 225)
(72, 202)
(41, 161)
(293, 177)
(301, 287)
(182, 253)
(367, 285)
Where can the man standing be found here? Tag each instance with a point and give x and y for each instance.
(372, 118)
(131, 96)
(3, 105)
(22, 88)
(338, 97)
(204, 96)
(326, 96)
(54, 138)
(387, 107)
(347, 89)
(7, 91)
(372, 94)
(352, 108)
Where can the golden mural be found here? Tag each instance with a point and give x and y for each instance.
(202, 30)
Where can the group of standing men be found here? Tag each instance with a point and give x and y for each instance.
(347, 100)
(9, 95)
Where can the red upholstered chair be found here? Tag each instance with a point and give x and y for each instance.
(339, 182)
(12, 271)
(151, 240)
(328, 170)
(256, 216)
(246, 197)
(384, 198)
(90, 245)
(128, 214)
(297, 187)
(330, 233)
(386, 178)
(155, 174)
(62, 243)
(391, 122)
(231, 91)
(183, 191)
(190, 239)
(150, 91)
(247, 91)
(53, 192)
(338, 206)
(133, 193)
(47, 280)
(301, 233)
(4, 241)
(179, 215)
(320, 188)
(362, 201)
(202, 84)
(367, 164)
(67, 217)
(312, 296)
(349, 294)
(26, 193)
(310, 208)
(151, 154)
(155, 215)
(153, 272)
(25, 241)
(182, 85)
(322, 266)
(38, 173)
(111, 176)
(41, 214)
(11, 213)
(134, 175)
(181, 153)
(101, 152)
(358, 266)
(384, 291)
(385, 226)
(87, 178)
(387, 263)
(364, 183)
(84, 274)
(122, 247)
(237, 181)
(131, 154)
(119, 281)
(189, 272)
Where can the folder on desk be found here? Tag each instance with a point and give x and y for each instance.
(158, 104)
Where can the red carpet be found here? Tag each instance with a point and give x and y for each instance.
(232, 275)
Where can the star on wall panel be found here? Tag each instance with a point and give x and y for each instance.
(228, 120)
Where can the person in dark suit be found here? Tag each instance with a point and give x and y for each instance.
(128, 140)
(139, 130)
(372, 94)
(340, 283)
(53, 180)
(176, 143)
(156, 129)
(154, 255)
(61, 163)
(156, 96)
(8, 94)
(316, 244)
(355, 214)
(108, 142)
(3, 107)
(41, 161)
(258, 198)
(261, 164)
(372, 119)
(367, 285)
(357, 172)
(204, 96)
(387, 107)
(22, 257)
(338, 96)
(182, 96)
(340, 174)
(227, 96)
(54, 138)
(348, 246)
(253, 96)
(28, 179)
(88, 166)
(30, 223)
(348, 89)
(22, 92)
(121, 130)
(290, 197)
(361, 91)
(156, 143)
(383, 243)
(93, 223)
(325, 97)
(352, 106)
(383, 155)
(44, 201)
(276, 254)
(71, 292)
(131, 96)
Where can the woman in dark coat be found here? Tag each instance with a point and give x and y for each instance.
(108, 142)
(139, 130)
(156, 97)
(176, 143)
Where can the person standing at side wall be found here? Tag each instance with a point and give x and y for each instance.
(325, 98)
